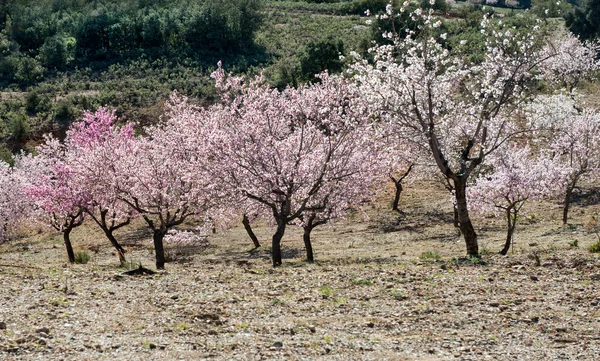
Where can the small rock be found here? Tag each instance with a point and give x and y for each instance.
(152, 346)
(45, 330)
(370, 325)
(212, 332)
(278, 344)
(534, 278)
(595, 277)
(494, 304)
(2, 325)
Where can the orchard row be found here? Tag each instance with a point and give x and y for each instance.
(308, 155)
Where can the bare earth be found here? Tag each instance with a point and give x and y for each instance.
(372, 295)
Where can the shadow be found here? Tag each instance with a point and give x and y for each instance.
(586, 196)
(358, 260)
(135, 237)
(262, 253)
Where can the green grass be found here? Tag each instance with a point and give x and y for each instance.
(82, 257)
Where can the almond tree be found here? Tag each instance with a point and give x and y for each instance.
(89, 143)
(569, 61)
(517, 176)
(290, 151)
(50, 185)
(576, 144)
(13, 206)
(163, 177)
(571, 132)
(459, 112)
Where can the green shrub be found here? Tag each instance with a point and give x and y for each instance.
(595, 248)
(18, 126)
(6, 155)
(82, 257)
(429, 255)
(58, 51)
(29, 70)
(321, 55)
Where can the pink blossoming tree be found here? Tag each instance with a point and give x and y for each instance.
(459, 112)
(49, 183)
(518, 175)
(295, 153)
(89, 145)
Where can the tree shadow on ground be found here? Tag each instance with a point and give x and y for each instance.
(584, 197)
(261, 253)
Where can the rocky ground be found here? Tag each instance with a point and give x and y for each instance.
(388, 288)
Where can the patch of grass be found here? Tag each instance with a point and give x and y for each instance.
(362, 282)
(341, 301)
(574, 243)
(430, 255)
(595, 248)
(326, 291)
(82, 257)
(398, 295)
(182, 326)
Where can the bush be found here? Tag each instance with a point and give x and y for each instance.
(360, 6)
(64, 112)
(6, 155)
(18, 126)
(319, 56)
(82, 257)
(58, 51)
(595, 248)
(438, 5)
(29, 70)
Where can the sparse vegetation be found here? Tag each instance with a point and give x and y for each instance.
(82, 257)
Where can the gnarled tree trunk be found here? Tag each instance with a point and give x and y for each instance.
(67, 239)
(511, 222)
(159, 249)
(466, 227)
(276, 242)
(399, 187)
(568, 196)
(248, 228)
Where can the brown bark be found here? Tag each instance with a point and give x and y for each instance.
(511, 221)
(115, 243)
(159, 248)
(67, 239)
(397, 196)
(276, 243)
(567, 203)
(466, 227)
(399, 187)
(248, 228)
(308, 245)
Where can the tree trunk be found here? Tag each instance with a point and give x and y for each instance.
(70, 253)
(159, 248)
(568, 196)
(397, 196)
(466, 227)
(115, 243)
(276, 244)
(511, 222)
(455, 220)
(246, 223)
(309, 250)
(398, 184)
